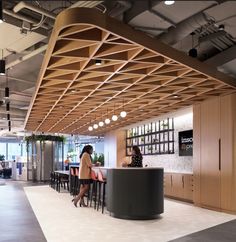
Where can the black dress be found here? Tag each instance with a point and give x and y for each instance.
(137, 161)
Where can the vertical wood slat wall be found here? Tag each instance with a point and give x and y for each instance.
(214, 157)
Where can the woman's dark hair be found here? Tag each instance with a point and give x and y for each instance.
(137, 150)
(87, 149)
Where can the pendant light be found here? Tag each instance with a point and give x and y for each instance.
(95, 126)
(101, 123)
(123, 113)
(114, 117)
(2, 66)
(107, 120)
(90, 128)
(1, 12)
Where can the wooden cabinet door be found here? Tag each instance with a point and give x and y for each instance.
(188, 187)
(177, 185)
(210, 170)
(167, 184)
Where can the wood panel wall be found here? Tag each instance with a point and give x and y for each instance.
(214, 153)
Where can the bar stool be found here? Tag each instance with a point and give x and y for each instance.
(93, 195)
(101, 185)
(64, 181)
(52, 180)
(74, 179)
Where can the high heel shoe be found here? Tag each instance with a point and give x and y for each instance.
(82, 204)
(75, 204)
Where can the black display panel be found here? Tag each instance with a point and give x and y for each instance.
(186, 143)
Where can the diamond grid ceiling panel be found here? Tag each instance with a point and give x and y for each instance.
(147, 76)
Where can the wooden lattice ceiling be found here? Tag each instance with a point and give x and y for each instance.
(150, 77)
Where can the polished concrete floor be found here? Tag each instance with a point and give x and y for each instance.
(17, 219)
(225, 232)
(50, 216)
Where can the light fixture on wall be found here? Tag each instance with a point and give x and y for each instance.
(123, 113)
(1, 12)
(169, 2)
(2, 66)
(107, 120)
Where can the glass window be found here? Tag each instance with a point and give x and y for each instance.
(3, 150)
(14, 150)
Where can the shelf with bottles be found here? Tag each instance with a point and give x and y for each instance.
(153, 138)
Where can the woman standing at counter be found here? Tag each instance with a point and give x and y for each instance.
(137, 158)
(84, 174)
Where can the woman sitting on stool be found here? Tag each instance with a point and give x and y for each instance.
(84, 174)
(137, 158)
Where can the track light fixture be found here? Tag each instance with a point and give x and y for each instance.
(6, 92)
(1, 12)
(2, 66)
(8, 107)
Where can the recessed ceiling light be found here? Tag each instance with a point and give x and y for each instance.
(73, 90)
(175, 96)
(169, 2)
(98, 62)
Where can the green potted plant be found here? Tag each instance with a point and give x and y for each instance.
(2, 157)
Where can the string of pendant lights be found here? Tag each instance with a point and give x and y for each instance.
(107, 121)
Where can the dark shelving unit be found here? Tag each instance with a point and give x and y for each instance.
(153, 139)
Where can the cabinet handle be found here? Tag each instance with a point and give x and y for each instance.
(171, 182)
(219, 154)
(183, 181)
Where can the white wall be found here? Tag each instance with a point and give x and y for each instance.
(183, 120)
(110, 154)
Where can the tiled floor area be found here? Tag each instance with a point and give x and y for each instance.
(62, 222)
(17, 220)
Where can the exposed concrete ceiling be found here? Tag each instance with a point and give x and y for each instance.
(25, 51)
